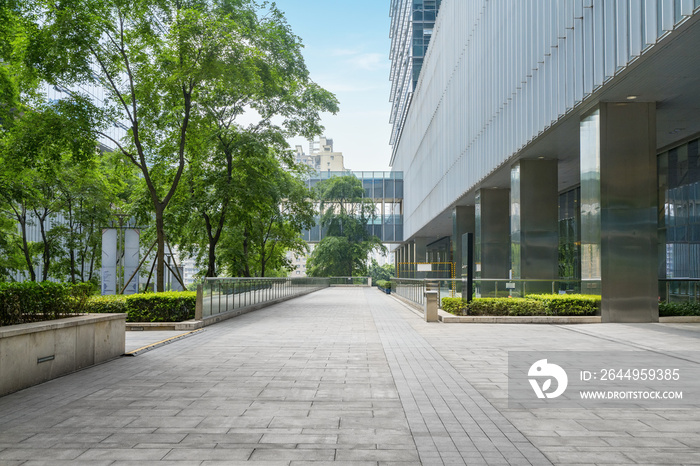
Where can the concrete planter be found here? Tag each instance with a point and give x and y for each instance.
(34, 353)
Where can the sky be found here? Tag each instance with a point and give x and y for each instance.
(346, 49)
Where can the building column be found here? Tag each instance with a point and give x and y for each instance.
(534, 222)
(618, 210)
(421, 249)
(462, 222)
(492, 233)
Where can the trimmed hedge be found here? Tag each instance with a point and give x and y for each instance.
(456, 306)
(678, 309)
(21, 303)
(383, 284)
(531, 305)
(568, 304)
(171, 306)
(506, 307)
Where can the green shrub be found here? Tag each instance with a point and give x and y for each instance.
(384, 284)
(678, 309)
(109, 304)
(568, 304)
(34, 302)
(506, 307)
(170, 306)
(456, 306)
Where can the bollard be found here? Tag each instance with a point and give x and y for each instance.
(430, 308)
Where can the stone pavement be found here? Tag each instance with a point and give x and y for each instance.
(138, 341)
(344, 375)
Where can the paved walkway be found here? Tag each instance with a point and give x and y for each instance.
(344, 375)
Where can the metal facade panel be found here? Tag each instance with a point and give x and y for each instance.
(491, 82)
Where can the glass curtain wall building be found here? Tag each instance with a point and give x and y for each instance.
(412, 23)
(537, 126)
(385, 189)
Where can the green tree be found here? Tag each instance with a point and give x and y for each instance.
(381, 272)
(266, 221)
(89, 193)
(345, 217)
(166, 66)
(35, 148)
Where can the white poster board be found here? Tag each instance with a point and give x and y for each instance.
(109, 261)
(131, 260)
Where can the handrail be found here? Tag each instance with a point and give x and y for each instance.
(221, 295)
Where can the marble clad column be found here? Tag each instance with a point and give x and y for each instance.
(421, 250)
(492, 233)
(618, 210)
(534, 220)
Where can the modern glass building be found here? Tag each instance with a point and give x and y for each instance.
(563, 136)
(385, 189)
(412, 23)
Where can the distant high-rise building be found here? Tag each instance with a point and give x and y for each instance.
(412, 23)
(322, 157)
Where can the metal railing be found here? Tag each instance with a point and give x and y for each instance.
(679, 290)
(221, 295)
(414, 289)
(519, 288)
(350, 281)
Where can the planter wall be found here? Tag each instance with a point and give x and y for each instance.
(36, 352)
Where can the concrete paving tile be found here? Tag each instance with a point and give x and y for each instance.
(62, 463)
(335, 463)
(95, 454)
(317, 439)
(39, 454)
(570, 456)
(161, 422)
(201, 454)
(243, 463)
(664, 456)
(399, 463)
(291, 455)
(305, 423)
(144, 438)
(234, 422)
(271, 430)
(195, 438)
(377, 455)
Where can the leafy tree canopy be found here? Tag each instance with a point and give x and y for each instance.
(345, 217)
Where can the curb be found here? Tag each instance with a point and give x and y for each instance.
(158, 344)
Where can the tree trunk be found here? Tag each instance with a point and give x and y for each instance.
(47, 252)
(160, 253)
(25, 245)
(213, 241)
(211, 268)
(246, 272)
(71, 246)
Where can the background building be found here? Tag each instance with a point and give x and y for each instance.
(563, 137)
(321, 156)
(384, 188)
